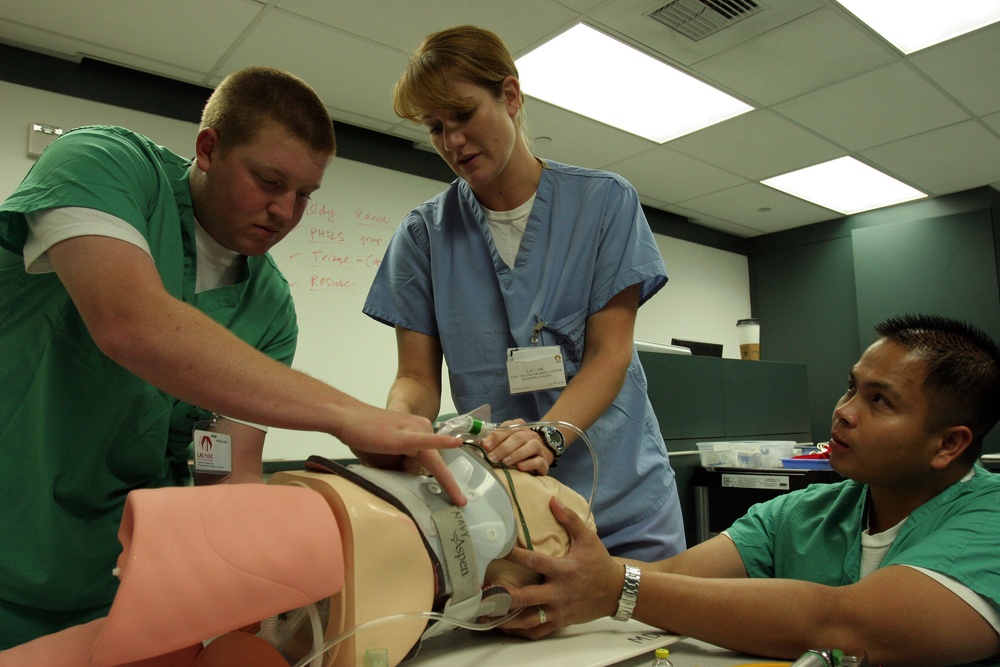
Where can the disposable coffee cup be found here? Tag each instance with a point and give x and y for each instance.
(749, 334)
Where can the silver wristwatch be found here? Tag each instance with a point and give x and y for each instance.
(630, 592)
(553, 439)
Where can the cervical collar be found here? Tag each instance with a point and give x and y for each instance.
(407, 549)
(463, 540)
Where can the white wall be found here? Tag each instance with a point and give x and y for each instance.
(707, 292)
(331, 258)
(21, 106)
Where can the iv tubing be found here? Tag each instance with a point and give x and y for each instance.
(317, 633)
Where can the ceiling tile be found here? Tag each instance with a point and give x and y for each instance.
(409, 130)
(602, 146)
(824, 85)
(993, 120)
(673, 177)
(811, 52)
(759, 207)
(705, 220)
(950, 159)
(628, 20)
(874, 108)
(652, 203)
(68, 48)
(968, 68)
(360, 95)
(401, 24)
(757, 145)
(580, 5)
(114, 34)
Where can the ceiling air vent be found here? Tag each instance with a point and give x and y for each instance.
(697, 19)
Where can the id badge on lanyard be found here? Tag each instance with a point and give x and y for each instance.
(213, 449)
(535, 368)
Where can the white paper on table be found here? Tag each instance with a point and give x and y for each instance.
(596, 644)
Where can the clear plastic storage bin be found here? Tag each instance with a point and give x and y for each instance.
(747, 454)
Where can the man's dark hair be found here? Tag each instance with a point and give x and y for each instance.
(963, 372)
(254, 98)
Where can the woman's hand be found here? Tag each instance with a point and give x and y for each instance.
(519, 448)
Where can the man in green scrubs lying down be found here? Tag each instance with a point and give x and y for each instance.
(901, 560)
(137, 298)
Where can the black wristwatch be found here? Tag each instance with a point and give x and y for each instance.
(553, 439)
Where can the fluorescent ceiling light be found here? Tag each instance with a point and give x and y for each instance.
(844, 185)
(594, 75)
(911, 25)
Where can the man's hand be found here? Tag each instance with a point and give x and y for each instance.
(582, 586)
(384, 438)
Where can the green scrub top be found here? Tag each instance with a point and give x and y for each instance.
(82, 431)
(815, 535)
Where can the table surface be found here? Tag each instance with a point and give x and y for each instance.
(600, 643)
(693, 653)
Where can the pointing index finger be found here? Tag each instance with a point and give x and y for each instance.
(431, 459)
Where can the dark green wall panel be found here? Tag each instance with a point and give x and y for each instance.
(686, 393)
(819, 290)
(764, 398)
(699, 399)
(943, 266)
(712, 398)
(806, 305)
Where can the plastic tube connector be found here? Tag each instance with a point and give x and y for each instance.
(468, 425)
(820, 658)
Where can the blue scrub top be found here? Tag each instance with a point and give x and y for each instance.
(586, 240)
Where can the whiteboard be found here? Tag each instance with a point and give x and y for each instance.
(330, 261)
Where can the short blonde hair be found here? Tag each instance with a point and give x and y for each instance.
(463, 52)
(251, 99)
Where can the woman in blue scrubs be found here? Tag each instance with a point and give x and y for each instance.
(525, 276)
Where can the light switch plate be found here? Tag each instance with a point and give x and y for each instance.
(40, 136)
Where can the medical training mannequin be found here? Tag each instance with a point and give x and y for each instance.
(407, 578)
(220, 558)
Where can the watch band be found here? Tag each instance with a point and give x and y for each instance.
(544, 432)
(630, 592)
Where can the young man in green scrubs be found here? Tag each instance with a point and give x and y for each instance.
(136, 298)
(899, 561)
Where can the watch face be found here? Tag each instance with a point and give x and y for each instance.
(553, 439)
